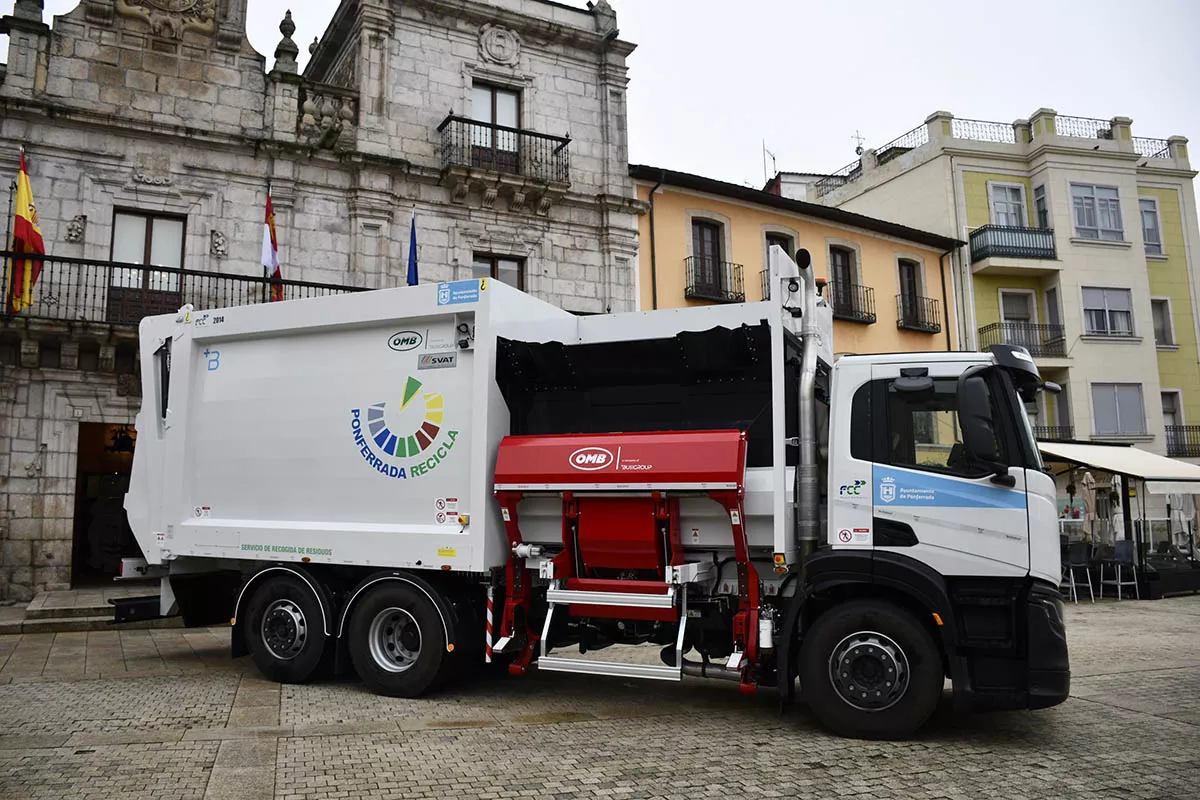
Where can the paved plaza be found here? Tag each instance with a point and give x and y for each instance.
(167, 714)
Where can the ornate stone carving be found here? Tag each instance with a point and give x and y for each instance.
(516, 203)
(286, 51)
(606, 18)
(489, 196)
(217, 245)
(170, 19)
(499, 45)
(76, 228)
(142, 174)
(129, 385)
(99, 12)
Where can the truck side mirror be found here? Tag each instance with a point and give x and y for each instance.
(978, 427)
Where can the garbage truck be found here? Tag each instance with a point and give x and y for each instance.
(413, 483)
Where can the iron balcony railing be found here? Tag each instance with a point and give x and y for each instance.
(1183, 441)
(983, 131)
(1151, 148)
(1083, 127)
(1011, 242)
(851, 302)
(708, 279)
(481, 145)
(850, 172)
(916, 313)
(85, 290)
(1040, 340)
(1053, 433)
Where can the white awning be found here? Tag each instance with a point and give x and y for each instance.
(1169, 475)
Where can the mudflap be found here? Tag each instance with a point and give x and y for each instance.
(788, 651)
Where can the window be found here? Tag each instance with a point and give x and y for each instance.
(707, 250)
(841, 276)
(1170, 408)
(1151, 231)
(1008, 205)
(923, 429)
(784, 241)
(1162, 322)
(1018, 312)
(1041, 208)
(1097, 212)
(1118, 408)
(1107, 312)
(502, 268)
(151, 241)
(495, 147)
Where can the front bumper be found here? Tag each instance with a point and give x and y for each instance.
(1049, 667)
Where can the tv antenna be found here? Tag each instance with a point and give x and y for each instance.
(774, 169)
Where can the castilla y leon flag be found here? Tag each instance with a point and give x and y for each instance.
(27, 238)
(270, 252)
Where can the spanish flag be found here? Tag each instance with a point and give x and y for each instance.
(270, 252)
(27, 238)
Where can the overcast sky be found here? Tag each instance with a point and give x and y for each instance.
(712, 79)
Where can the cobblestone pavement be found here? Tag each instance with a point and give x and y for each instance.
(167, 714)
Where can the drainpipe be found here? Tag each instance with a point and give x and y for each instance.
(945, 302)
(653, 263)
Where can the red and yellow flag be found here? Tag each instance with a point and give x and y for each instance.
(27, 238)
(270, 252)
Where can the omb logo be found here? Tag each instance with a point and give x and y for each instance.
(590, 458)
(404, 341)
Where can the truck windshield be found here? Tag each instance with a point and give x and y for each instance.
(1029, 455)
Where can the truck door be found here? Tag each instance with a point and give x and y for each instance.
(929, 502)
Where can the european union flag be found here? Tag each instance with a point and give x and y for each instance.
(412, 251)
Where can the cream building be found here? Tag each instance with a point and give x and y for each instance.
(1082, 247)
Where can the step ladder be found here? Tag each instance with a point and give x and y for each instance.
(667, 595)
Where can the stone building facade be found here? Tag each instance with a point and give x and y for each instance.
(152, 131)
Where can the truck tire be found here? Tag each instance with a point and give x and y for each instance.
(869, 670)
(397, 642)
(285, 629)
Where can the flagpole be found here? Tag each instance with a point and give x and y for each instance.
(266, 274)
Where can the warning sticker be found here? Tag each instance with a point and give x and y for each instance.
(862, 535)
(695, 534)
(440, 517)
(202, 512)
(844, 536)
(504, 513)
(447, 552)
(449, 505)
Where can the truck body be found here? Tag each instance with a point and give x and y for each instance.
(418, 481)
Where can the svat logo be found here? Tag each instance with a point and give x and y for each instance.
(887, 490)
(853, 489)
(590, 458)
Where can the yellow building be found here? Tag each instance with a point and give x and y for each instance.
(705, 241)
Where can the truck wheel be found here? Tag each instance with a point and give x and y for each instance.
(869, 670)
(285, 630)
(397, 642)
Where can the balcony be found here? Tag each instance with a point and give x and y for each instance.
(719, 281)
(531, 170)
(105, 292)
(1042, 341)
(1054, 433)
(851, 302)
(916, 313)
(1009, 250)
(1183, 441)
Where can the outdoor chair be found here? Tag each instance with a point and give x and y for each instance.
(1123, 571)
(1077, 559)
